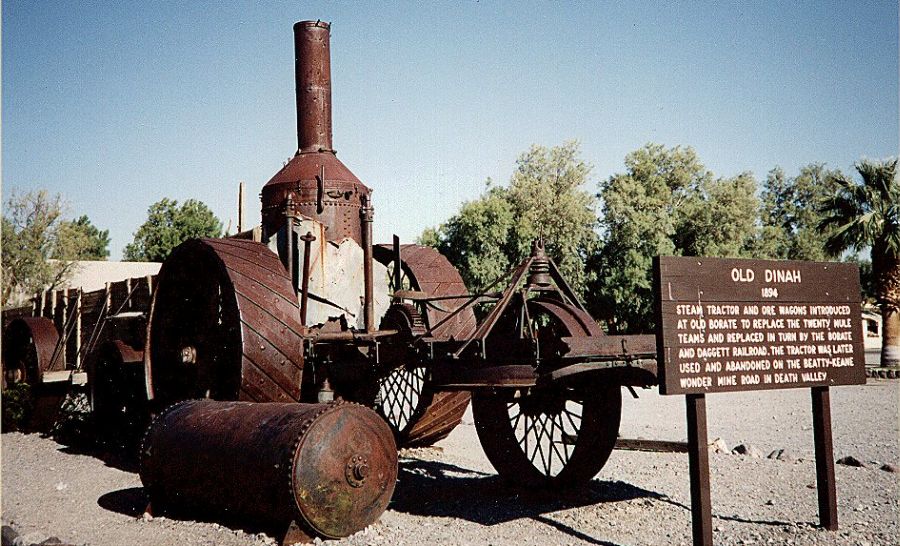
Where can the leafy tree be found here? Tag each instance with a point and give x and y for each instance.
(93, 243)
(666, 203)
(791, 213)
(544, 199)
(867, 214)
(169, 225)
(38, 246)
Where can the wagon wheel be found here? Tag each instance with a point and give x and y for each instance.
(28, 346)
(419, 415)
(224, 324)
(117, 395)
(554, 435)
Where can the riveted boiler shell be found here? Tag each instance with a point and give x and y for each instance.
(224, 325)
(329, 467)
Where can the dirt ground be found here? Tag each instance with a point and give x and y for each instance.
(449, 494)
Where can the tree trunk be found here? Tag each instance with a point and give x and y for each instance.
(890, 336)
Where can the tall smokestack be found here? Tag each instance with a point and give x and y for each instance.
(312, 62)
(314, 183)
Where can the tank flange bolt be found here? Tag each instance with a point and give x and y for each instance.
(188, 355)
(357, 470)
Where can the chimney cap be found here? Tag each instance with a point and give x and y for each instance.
(317, 23)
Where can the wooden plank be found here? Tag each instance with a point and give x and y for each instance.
(821, 410)
(698, 460)
(661, 446)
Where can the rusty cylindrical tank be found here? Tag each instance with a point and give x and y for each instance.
(331, 468)
(314, 183)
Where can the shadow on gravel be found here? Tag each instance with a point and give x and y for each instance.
(130, 502)
(429, 488)
(774, 522)
(118, 458)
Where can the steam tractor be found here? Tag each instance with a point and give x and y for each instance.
(308, 309)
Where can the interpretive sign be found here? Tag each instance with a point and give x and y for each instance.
(734, 325)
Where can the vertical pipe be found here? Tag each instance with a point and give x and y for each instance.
(312, 64)
(240, 218)
(398, 272)
(78, 330)
(304, 298)
(289, 241)
(67, 328)
(367, 213)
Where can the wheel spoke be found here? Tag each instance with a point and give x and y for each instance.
(400, 392)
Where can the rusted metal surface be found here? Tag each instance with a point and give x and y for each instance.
(29, 356)
(366, 215)
(610, 347)
(427, 416)
(433, 275)
(317, 184)
(312, 72)
(331, 468)
(225, 324)
(28, 349)
(117, 395)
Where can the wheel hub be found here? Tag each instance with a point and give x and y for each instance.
(543, 401)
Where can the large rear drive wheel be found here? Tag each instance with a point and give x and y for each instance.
(224, 325)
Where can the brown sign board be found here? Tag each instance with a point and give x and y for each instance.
(734, 325)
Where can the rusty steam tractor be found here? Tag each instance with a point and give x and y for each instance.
(307, 309)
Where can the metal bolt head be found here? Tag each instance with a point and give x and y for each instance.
(188, 355)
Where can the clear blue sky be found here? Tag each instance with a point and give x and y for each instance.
(116, 105)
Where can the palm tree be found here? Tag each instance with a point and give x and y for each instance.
(868, 215)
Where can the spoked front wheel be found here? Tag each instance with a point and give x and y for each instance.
(548, 436)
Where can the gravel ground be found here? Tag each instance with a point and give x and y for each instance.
(449, 494)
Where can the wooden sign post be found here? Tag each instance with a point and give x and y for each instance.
(728, 325)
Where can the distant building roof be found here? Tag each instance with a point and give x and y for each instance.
(93, 275)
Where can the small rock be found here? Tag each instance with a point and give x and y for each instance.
(850, 460)
(887, 467)
(770, 502)
(147, 516)
(747, 449)
(718, 446)
(9, 535)
(62, 486)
